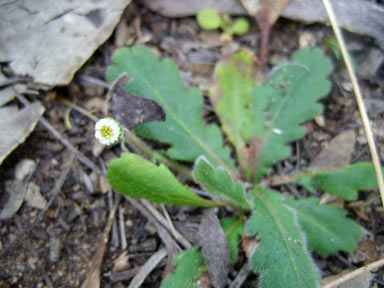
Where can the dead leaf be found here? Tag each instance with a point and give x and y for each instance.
(16, 190)
(51, 40)
(249, 245)
(131, 110)
(121, 263)
(368, 251)
(214, 247)
(8, 111)
(34, 198)
(15, 129)
(337, 153)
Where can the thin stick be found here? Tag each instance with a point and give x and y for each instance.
(114, 236)
(93, 275)
(359, 98)
(169, 220)
(148, 267)
(122, 229)
(180, 238)
(355, 273)
(82, 158)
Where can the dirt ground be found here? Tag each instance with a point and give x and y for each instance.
(56, 249)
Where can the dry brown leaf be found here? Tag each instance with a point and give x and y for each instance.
(214, 247)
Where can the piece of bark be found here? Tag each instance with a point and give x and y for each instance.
(215, 248)
(362, 17)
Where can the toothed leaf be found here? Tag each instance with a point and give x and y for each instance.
(137, 177)
(282, 257)
(190, 265)
(288, 98)
(326, 227)
(233, 229)
(218, 182)
(344, 182)
(183, 129)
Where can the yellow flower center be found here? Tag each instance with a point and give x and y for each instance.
(106, 132)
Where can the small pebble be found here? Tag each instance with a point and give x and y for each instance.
(307, 39)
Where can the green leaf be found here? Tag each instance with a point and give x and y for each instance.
(190, 266)
(231, 98)
(183, 129)
(282, 257)
(288, 99)
(137, 177)
(326, 227)
(208, 19)
(233, 229)
(218, 182)
(344, 182)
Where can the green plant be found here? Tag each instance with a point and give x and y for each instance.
(259, 121)
(209, 19)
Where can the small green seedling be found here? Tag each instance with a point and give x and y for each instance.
(259, 122)
(209, 19)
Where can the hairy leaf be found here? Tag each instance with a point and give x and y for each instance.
(231, 98)
(190, 265)
(137, 177)
(218, 182)
(288, 98)
(326, 227)
(282, 257)
(344, 182)
(183, 129)
(233, 229)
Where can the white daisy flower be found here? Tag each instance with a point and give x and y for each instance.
(108, 131)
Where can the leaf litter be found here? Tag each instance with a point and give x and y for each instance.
(82, 198)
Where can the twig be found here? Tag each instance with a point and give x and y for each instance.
(241, 276)
(86, 80)
(147, 268)
(111, 89)
(56, 190)
(169, 242)
(355, 273)
(123, 238)
(180, 238)
(359, 98)
(115, 236)
(163, 233)
(82, 158)
(93, 275)
(123, 275)
(169, 220)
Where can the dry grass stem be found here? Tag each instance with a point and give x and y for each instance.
(355, 273)
(359, 98)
